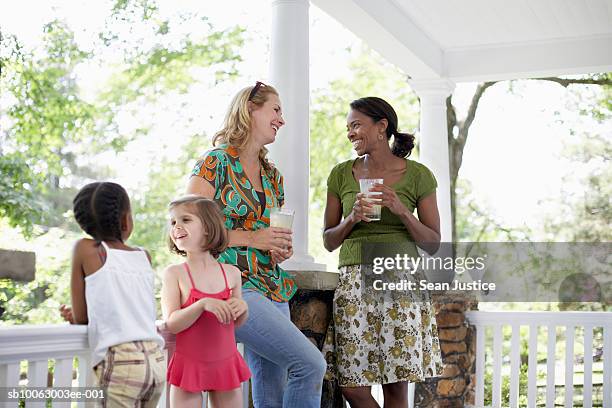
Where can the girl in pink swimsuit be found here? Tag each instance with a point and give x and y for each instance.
(202, 303)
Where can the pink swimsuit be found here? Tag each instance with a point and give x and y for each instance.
(206, 357)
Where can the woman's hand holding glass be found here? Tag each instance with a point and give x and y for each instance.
(272, 239)
(389, 199)
(361, 207)
(278, 257)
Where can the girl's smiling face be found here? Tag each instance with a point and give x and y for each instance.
(186, 229)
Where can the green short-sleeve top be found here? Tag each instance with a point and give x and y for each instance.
(243, 211)
(416, 183)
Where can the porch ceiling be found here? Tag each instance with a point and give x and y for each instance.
(476, 40)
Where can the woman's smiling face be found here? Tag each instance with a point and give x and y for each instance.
(266, 120)
(362, 132)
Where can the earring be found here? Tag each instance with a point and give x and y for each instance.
(381, 137)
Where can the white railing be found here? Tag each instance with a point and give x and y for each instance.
(38, 344)
(59, 344)
(568, 322)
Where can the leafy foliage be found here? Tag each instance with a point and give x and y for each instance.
(19, 203)
(37, 302)
(46, 117)
(53, 132)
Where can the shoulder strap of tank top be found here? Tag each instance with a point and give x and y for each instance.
(103, 252)
(189, 273)
(224, 276)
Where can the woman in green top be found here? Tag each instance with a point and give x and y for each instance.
(394, 341)
(287, 369)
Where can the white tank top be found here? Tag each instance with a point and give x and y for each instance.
(120, 302)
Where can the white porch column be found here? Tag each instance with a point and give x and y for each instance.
(434, 152)
(289, 73)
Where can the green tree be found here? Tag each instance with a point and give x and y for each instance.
(458, 128)
(52, 134)
(45, 116)
(586, 215)
(474, 222)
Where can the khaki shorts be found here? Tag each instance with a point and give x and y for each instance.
(133, 374)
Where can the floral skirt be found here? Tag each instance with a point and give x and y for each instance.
(380, 337)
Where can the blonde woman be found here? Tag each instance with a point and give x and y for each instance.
(287, 369)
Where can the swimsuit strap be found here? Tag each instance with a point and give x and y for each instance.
(189, 273)
(224, 276)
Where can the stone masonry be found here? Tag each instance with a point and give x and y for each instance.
(455, 387)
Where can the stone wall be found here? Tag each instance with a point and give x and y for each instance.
(455, 387)
(311, 311)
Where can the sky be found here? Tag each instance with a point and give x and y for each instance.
(512, 157)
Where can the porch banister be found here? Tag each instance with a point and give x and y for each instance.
(289, 70)
(433, 142)
(588, 367)
(550, 366)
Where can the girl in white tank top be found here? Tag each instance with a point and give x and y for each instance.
(112, 290)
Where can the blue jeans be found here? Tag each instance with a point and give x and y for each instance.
(287, 369)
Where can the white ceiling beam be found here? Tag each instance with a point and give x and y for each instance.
(545, 58)
(388, 30)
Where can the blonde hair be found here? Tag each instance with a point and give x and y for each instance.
(215, 237)
(236, 129)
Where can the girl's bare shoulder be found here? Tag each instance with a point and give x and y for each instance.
(86, 248)
(233, 272)
(88, 256)
(173, 271)
(85, 244)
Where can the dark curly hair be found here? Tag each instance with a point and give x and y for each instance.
(377, 109)
(98, 208)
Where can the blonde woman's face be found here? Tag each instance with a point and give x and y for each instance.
(266, 120)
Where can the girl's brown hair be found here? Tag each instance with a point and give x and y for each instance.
(215, 237)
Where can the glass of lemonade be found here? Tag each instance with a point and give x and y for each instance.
(281, 217)
(364, 187)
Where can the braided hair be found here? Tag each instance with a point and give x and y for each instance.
(377, 109)
(98, 208)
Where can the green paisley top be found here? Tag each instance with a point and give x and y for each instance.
(238, 200)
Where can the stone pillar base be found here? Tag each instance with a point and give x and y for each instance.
(455, 387)
(311, 311)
